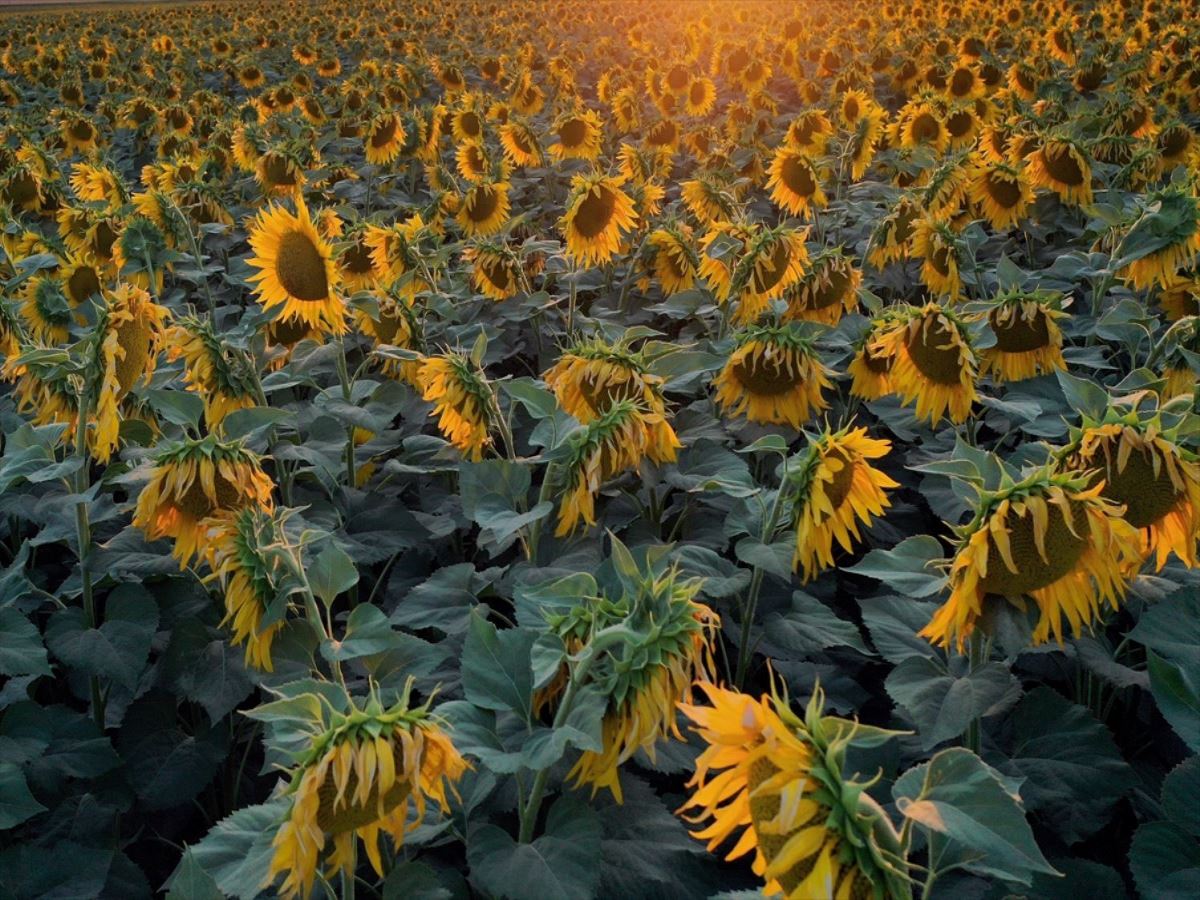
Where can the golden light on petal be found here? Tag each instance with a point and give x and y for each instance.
(772, 377)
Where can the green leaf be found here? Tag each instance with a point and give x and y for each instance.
(810, 626)
(893, 623)
(16, 803)
(182, 408)
(1176, 690)
(242, 422)
(1083, 395)
(332, 573)
(191, 882)
(1073, 772)
(906, 567)
(559, 864)
(444, 600)
(973, 816)
(496, 672)
(414, 881)
(1172, 628)
(710, 467)
(1165, 861)
(538, 402)
(773, 558)
(202, 666)
(119, 648)
(367, 632)
(236, 852)
(1180, 790)
(21, 650)
(943, 703)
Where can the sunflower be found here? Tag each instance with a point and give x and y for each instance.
(1061, 165)
(362, 771)
(614, 442)
(392, 253)
(597, 211)
(836, 487)
(708, 201)
(779, 782)
(394, 324)
(462, 400)
(795, 183)
(46, 309)
(471, 159)
(1001, 193)
(356, 269)
(579, 136)
(1172, 235)
(222, 376)
(1028, 339)
(1049, 537)
(243, 555)
(673, 258)
(1142, 467)
(809, 133)
(593, 375)
(94, 183)
(496, 270)
(384, 139)
(484, 209)
(871, 368)
(296, 270)
(1180, 297)
(520, 144)
(773, 376)
(826, 291)
(193, 480)
(650, 677)
(79, 134)
(932, 362)
(81, 279)
(772, 262)
(280, 172)
(939, 246)
(891, 240)
(922, 126)
(132, 329)
(700, 97)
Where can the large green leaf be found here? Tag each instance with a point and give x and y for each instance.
(1176, 690)
(496, 670)
(16, 802)
(907, 567)
(944, 702)
(21, 650)
(236, 852)
(1165, 861)
(119, 648)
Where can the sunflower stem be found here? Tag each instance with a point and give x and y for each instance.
(348, 872)
(745, 651)
(83, 536)
(977, 650)
(535, 530)
(344, 377)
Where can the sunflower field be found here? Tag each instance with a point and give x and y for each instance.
(570, 449)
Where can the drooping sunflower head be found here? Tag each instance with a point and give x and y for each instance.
(795, 182)
(835, 488)
(922, 126)
(193, 480)
(810, 132)
(593, 375)
(892, 238)
(462, 400)
(394, 252)
(520, 144)
(579, 134)
(1144, 468)
(939, 247)
(932, 362)
(707, 200)
(280, 172)
(1180, 297)
(366, 770)
(383, 138)
(46, 309)
(1165, 237)
(1049, 538)
(484, 209)
(296, 269)
(777, 783)
(598, 211)
(221, 374)
(248, 553)
(1028, 339)
(1001, 193)
(773, 376)
(496, 269)
(615, 441)
(98, 183)
(827, 290)
(771, 263)
(1061, 165)
(673, 258)
(669, 651)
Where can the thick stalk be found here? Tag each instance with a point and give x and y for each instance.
(83, 536)
(756, 580)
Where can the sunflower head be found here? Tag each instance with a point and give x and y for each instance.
(779, 780)
(592, 375)
(1028, 339)
(1061, 165)
(462, 400)
(773, 376)
(826, 291)
(932, 361)
(598, 211)
(772, 262)
(193, 480)
(223, 375)
(1164, 238)
(1051, 538)
(358, 773)
(484, 209)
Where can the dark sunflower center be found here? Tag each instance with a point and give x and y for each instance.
(960, 123)
(925, 127)
(197, 505)
(850, 109)
(878, 363)
(81, 131)
(103, 239)
(798, 177)
(698, 94)
(768, 272)
(21, 188)
(573, 133)
(82, 284)
(277, 170)
(357, 259)
(766, 374)
(941, 259)
(1019, 334)
(935, 352)
(829, 290)
(661, 134)
(483, 203)
(595, 212)
(382, 135)
(603, 394)
(498, 273)
(1063, 550)
(1148, 496)
(389, 324)
(1174, 141)
(288, 331)
(962, 82)
(301, 268)
(1062, 166)
(470, 124)
(763, 809)
(1005, 192)
(134, 338)
(839, 489)
(677, 78)
(520, 142)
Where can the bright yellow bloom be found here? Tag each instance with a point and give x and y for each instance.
(598, 211)
(773, 376)
(1028, 339)
(461, 400)
(932, 363)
